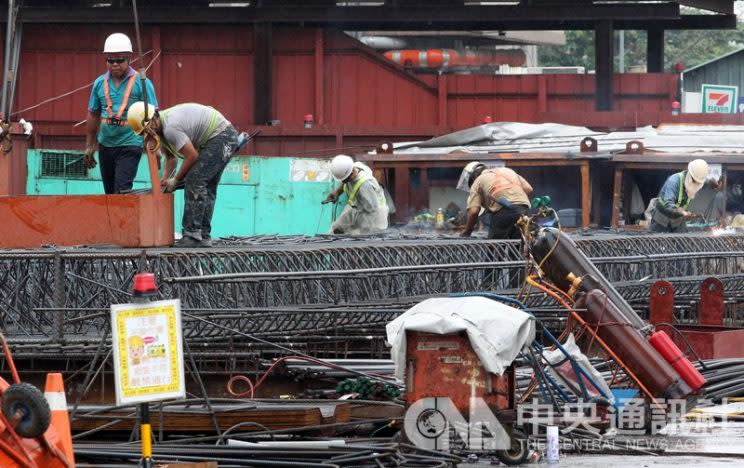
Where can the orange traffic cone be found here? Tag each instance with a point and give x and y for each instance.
(54, 391)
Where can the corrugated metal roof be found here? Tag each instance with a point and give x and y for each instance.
(704, 64)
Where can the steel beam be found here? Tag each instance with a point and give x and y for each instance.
(604, 58)
(655, 50)
(444, 17)
(263, 64)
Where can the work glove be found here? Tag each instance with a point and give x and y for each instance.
(169, 184)
(90, 161)
(330, 198)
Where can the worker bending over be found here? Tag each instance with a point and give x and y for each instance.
(500, 191)
(206, 141)
(670, 212)
(366, 211)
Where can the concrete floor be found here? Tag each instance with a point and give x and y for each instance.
(689, 444)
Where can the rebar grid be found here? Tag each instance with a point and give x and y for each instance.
(287, 290)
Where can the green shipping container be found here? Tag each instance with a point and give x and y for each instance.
(257, 195)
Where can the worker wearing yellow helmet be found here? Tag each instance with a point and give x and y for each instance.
(499, 191)
(119, 149)
(205, 141)
(670, 211)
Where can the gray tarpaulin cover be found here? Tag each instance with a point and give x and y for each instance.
(516, 137)
(497, 331)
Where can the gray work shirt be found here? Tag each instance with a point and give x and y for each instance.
(191, 121)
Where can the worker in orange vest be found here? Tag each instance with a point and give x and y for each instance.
(119, 149)
(501, 192)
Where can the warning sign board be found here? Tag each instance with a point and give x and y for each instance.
(148, 352)
(719, 99)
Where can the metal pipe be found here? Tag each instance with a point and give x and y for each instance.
(9, 26)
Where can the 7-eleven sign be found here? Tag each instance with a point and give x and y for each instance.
(719, 99)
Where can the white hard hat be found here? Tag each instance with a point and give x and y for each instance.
(472, 165)
(341, 166)
(136, 115)
(464, 182)
(698, 170)
(117, 42)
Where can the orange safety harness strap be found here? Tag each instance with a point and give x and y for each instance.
(505, 179)
(124, 101)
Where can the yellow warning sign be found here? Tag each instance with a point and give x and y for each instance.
(148, 352)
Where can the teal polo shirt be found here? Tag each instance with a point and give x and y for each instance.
(114, 135)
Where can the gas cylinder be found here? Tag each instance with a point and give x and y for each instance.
(649, 367)
(673, 355)
(568, 267)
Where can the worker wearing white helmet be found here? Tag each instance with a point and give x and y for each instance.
(119, 149)
(366, 210)
(499, 191)
(670, 211)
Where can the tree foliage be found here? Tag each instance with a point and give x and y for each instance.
(690, 47)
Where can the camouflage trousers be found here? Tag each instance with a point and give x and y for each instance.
(200, 184)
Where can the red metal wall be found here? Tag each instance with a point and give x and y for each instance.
(358, 98)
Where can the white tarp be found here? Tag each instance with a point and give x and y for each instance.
(497, 331)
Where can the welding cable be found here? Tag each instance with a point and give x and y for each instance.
(222, 436)
(556, 289)
(548, 292)
(244, 379)
(555, 244)
(252, 387)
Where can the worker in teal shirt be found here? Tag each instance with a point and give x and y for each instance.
(119, 148)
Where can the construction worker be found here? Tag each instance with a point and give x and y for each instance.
(501, 192)
(119, 149)
(670, 212)
(366, 211)
(205, 141)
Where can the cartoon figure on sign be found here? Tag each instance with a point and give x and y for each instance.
(136, 349)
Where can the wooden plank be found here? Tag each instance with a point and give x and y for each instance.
(195, 419)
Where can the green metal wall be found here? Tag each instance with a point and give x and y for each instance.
(256, 195)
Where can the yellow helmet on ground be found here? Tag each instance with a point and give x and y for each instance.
(136, 116)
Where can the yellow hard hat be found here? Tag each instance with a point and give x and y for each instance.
(136, 115)
(136, 342)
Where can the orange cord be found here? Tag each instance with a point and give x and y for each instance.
(549, 293)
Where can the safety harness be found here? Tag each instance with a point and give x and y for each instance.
(213, 122)
(117, 120)
(505, 179)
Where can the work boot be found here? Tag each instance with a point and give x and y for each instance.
(187, 241)
(206, 241)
